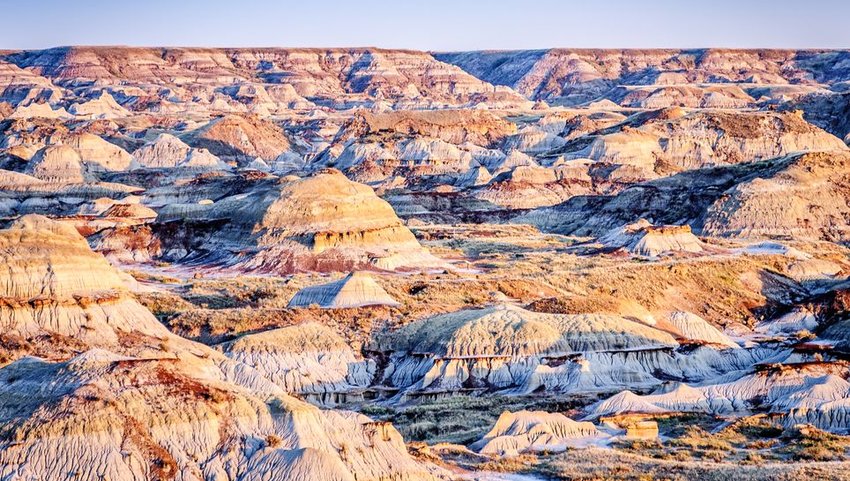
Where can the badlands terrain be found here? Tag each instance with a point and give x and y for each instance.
(390, 265)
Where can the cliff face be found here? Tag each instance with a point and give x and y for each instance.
(571, 76)
(285, 78)
(326, 75)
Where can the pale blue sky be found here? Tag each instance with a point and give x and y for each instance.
(427, 25)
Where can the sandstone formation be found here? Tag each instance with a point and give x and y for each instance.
(58, 164)
(55, 284)
(506, 347)
(303, 359)
(173, 421)
(169, 152)
(316, 242)
(706, 139)
(644, 239)
(525, 431)
(241, 138)
(335, 76)
(576, 76)
(161, 410)
(691, 326)
(784, 204)
(98, 155)
(38, 110)
(815, 395)
(357, 289)
(737, 201)
(324, 222)
(102, 107)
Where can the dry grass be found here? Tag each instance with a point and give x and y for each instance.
(510, 464)
(753, 439)
(605, 464)
(811, 444)
(465, 419)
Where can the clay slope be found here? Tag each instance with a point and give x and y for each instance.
(654, 144)
(54, 285)
(808, 199)
(801, 195)
(304, 359)
(127, 418)
(147, 404)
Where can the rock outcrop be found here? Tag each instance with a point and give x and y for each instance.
(57, 164)
(690, 326)
(98, 155)
(129, 418)
(324, 222)
(102, 107)
(761, 199)
(54, 284)
(575, 76)
(357, 289)
(509, 348)
(241, 138)
(644, 239)
(807, 199)
(306, 359)
(339, 77)
(817, 395)
(146, 403)
(169, 152)
(535, 431)
(657, 143)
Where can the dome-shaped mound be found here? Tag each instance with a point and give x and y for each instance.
(130, 211)
(45, 257)
(691, 326)
(324, 222)
(57, 163)
(508, 330)
(242, 138)
(100, 155)
(102, 107)
(169, 152)
(625, 402)
(357, 289)
(53, 282)
(534, 431)
(644, 239)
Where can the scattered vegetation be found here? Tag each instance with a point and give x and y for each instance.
(464, 419)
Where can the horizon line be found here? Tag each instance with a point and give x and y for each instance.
(411, 49)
